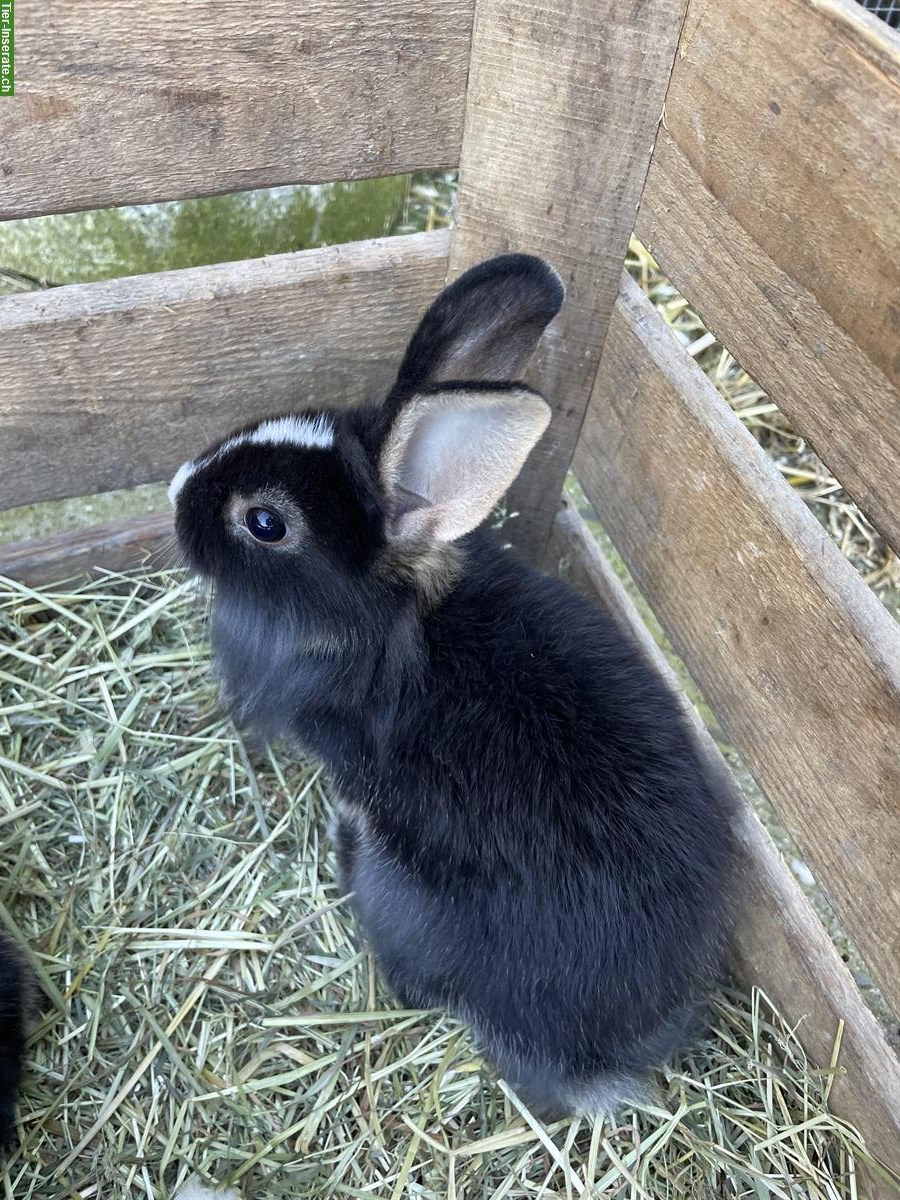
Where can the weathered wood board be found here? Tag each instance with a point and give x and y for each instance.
(561, 113)
(126, 103)
(129, 544)
(106, 385)
(780, 945)
(773, 204)
(798, 658)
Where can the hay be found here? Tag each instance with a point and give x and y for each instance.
(210, 1010)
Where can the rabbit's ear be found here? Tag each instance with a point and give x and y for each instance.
(486, 325)
(451, 454)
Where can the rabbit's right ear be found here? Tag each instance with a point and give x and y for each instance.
(450, 456)
(484, 326)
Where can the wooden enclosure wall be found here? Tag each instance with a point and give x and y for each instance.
(561, 113)
(804, 217)
(773, 201)
(122, 103)
(134, 374)
(769, 193)
(131, 376)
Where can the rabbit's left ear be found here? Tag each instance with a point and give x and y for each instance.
(452, 453)
(485, 325)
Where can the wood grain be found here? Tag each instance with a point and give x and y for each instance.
(121, 103)
(780, 945)
(129, 544)
(798, 658)
(106, 385)
(562, 107)
(773, 204)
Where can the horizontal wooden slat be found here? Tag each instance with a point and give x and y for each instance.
(797, 656)
(135, 542)
(780, 945)
(773, 204)
(562, 110)
(107, 385)
(118, 102)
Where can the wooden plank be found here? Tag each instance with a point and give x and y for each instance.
(132, 376)
(773, 204)
(134, 542)
(797, 656)
(198, 99)
(562, 108)
(780, 944)
(124, 103)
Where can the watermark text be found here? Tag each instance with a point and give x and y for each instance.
(7, 48)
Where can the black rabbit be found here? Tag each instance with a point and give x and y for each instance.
(15, 1002)
(528, 832)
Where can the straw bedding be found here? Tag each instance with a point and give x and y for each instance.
(209, 1010)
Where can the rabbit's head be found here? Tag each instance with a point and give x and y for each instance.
(314, 511)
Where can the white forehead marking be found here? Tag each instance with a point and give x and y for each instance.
(310, 433)
(180, 478)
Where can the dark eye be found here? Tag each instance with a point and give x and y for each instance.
(265, 525)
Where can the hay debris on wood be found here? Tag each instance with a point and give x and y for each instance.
(209, 1010)
(854, 533)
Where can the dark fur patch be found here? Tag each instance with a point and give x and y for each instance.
(430, 568)
(15, 1002)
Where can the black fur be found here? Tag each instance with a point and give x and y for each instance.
(13, 1007)
(530, 837)
(486, 324)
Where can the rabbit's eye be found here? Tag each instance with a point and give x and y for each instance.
(265, 525)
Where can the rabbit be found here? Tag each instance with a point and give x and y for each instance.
(530, 836)
(16, 1001)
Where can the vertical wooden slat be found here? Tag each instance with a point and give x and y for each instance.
(563, 103)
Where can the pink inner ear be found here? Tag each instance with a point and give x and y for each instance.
(443, 453)
(455, 453)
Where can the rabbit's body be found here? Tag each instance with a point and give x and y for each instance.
(526, 827)
(526, 830)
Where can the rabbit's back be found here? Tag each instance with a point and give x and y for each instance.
(543, 851)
